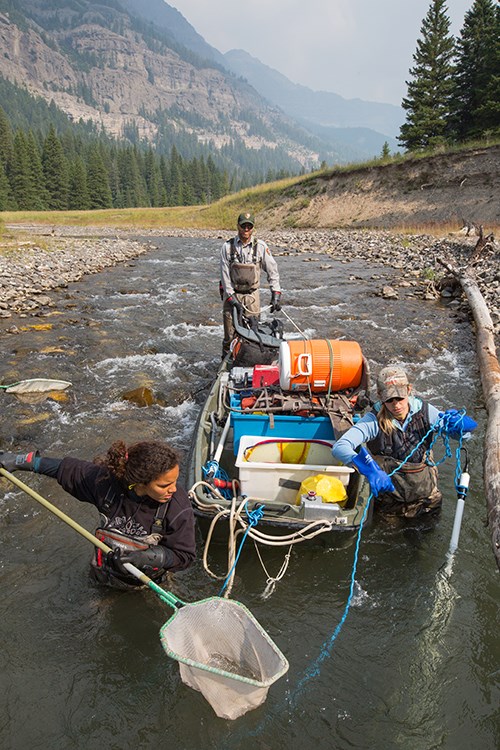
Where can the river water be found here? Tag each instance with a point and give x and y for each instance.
(416, 662)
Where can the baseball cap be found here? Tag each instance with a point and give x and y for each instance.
(392, 382)
(246, 218)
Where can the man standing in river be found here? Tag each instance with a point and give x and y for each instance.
(242, 258)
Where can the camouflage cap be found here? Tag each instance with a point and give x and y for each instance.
(246, 218)
(392, 382)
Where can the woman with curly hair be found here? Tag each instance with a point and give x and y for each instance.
(145, 516)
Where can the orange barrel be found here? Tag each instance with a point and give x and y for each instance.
(321, 364)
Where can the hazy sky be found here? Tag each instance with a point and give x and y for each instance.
(355, 48)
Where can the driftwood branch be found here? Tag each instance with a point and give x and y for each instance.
(483, 244)
(489, 369)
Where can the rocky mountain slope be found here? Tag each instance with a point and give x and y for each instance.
(140, 70)
(322, 108)
(98, 62)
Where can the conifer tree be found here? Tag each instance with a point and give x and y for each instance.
(98, 180)
(386, 151)
(132, 187)
(176, 179)
(6, 141)
(39, 200)
(78, 199)
(21, 178)
(152, 177)
(163, 187)
(55, 169)
(429, 92)
(6, 200)
(476, 100)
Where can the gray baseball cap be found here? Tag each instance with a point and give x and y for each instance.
(392, 382)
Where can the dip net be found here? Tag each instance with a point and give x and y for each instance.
(224, 653)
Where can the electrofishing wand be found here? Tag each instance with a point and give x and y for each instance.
(462, 487)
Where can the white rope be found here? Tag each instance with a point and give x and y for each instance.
(270, 581)
(294, 324)
(234, 517)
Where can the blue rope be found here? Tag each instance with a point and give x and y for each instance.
(253, 517)
(212, 469)
(327, 646)
(440, 427)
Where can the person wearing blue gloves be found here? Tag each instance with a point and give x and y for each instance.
(394, 428)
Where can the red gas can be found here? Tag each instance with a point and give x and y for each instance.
(265, 375)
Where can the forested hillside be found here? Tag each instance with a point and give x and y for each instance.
(107, 104)
(58, 166)
(103, 63)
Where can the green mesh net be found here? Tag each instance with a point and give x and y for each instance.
(224, 653)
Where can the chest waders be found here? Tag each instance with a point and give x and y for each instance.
(245, 278)
(116, 539)
(416, 481)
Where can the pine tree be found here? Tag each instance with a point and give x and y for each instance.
(176, 179)
(132, 187)
(476, 101)
(78, 199)
(429, 93)
(98, 180)
(153, 178)
(163, 188)
(55, 169)
(6, 200)
(40, 198)
(20, 177)
(6, 141)
(386, 151)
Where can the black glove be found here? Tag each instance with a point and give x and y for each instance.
(235, 303)
(151, 558)
(275, 301)
(113, 560)
(19, 461)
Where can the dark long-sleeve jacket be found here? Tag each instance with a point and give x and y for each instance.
(130, 514)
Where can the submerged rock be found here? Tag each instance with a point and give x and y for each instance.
(141, 396)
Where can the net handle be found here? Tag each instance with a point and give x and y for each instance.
(165, 596)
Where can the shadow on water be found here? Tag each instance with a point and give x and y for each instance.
(416, 662)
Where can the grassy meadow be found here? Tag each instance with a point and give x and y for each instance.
(220, 215)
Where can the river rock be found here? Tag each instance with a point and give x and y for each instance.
(82, 250)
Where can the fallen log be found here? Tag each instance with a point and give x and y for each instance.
(489, 369)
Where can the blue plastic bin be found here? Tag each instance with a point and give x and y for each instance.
(300, 428)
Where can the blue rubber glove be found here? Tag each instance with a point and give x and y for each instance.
(456, 423)
(379, 481)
